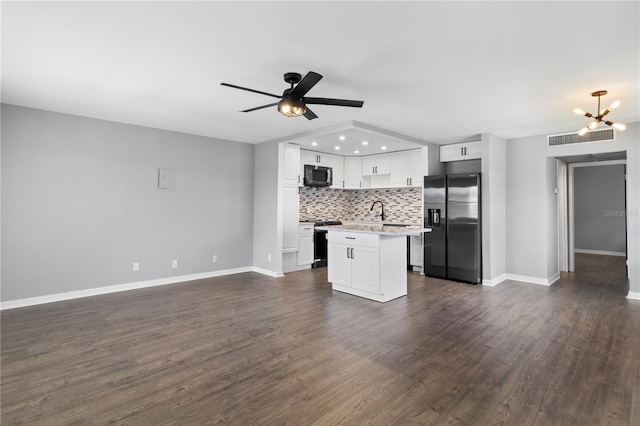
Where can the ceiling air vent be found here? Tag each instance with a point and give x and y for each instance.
(599, 135)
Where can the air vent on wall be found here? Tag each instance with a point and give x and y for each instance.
(599, 135)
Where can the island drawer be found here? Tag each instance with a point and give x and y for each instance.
(354, 238)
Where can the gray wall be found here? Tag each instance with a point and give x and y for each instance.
(267, 209)
(526, 252)
(599, 208)
(531, 225)
(80, 203)
(494, 199)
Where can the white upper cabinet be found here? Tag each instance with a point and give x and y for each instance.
(407, 168)
(379, 164)
(353, 172)
(461, 151)
(315, 158)
(292, 174)
(337, 165)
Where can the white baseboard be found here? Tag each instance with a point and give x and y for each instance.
(494, 281)
(633, 295)
(297, 268)
(533, 280)
(30, 301)
(267, 272)
(601, 252)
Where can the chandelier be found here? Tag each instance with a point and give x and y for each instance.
(597, 119)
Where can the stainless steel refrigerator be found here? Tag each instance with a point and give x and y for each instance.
(453, 250)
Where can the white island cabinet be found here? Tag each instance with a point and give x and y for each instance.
(369, 261)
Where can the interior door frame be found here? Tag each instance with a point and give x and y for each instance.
(571, 212)
(563, 216)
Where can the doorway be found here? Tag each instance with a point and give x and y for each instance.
(592, 212)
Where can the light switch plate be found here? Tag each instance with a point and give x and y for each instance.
(166, 179)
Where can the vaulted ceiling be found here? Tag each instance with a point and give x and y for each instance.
(435, 71)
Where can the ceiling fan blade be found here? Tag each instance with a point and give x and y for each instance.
(310, 114)
(305, 84)
(251, 90)
(335, 102)
(260, 107)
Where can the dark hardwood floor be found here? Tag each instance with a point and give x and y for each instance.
(248, 349)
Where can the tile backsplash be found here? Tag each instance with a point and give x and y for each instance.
(400, 204)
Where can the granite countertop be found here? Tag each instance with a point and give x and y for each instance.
(379, 229)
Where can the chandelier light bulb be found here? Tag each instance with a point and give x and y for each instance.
(618, 126)
(615, 104)
(593, 125)
(578, 111)
(583, 131)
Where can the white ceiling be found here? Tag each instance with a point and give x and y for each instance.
(434, 71)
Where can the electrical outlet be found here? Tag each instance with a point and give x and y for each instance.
(214, 258)
(136, 266)
(174, 263)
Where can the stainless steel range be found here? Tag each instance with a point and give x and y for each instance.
(320, 243)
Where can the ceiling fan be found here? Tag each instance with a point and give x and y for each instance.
(293, 102)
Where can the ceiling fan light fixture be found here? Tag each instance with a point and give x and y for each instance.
(291, 107)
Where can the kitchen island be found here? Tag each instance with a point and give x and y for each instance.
(369, 261)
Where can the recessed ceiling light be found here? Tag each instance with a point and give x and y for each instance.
(314, 143)
(383, 147)
(365, 143)
(342, 137)
(337, 147)
(356, 152)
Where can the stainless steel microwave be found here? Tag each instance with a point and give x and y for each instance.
(317, 175)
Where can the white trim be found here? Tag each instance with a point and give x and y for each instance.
(533, 280)
(267, 272)
(563, 215)
(571, 225)
(601, 252)
(495, 281)
(554, 278)
(58, 297)
(633, 295)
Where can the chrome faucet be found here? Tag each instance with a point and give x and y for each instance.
(381, 205)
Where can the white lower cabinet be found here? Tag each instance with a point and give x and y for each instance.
(368, 265)
(305, 245)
